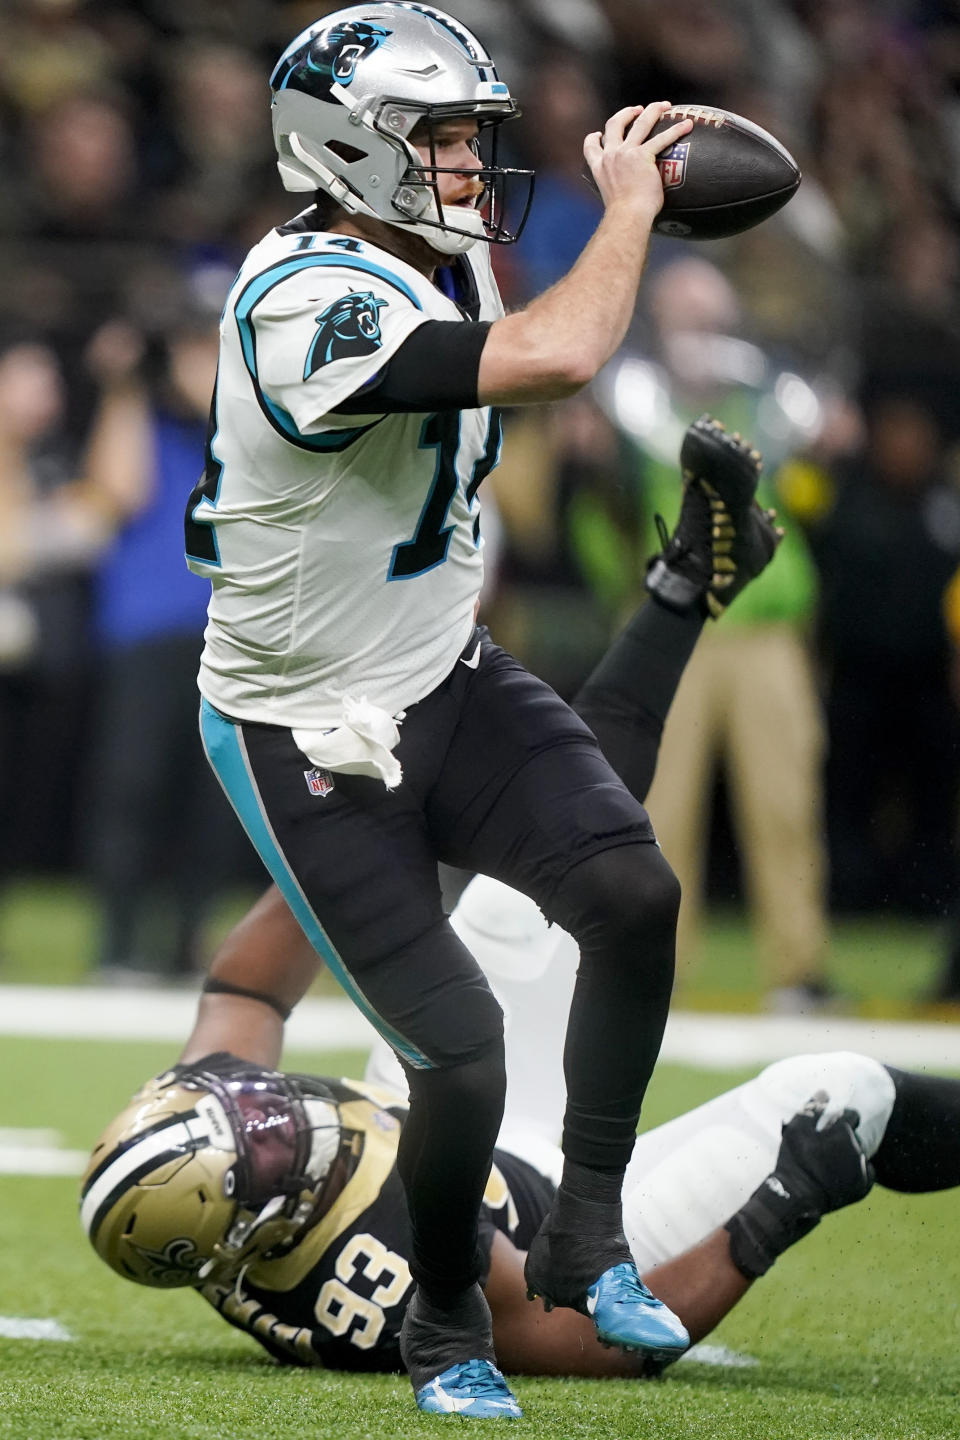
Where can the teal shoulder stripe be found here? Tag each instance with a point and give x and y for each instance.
(251, 295)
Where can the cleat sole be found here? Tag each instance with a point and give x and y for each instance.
(656, 1352)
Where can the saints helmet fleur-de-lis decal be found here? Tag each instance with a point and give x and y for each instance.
(350, 326)
(169, 1265)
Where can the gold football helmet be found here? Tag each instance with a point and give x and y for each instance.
(209, 1166)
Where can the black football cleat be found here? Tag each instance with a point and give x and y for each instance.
(722, 539)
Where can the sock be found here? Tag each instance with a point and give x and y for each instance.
(433, 1337)
(584, 1183)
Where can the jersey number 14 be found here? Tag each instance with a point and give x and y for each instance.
(431, 539)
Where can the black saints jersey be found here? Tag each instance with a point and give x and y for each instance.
(338, 1298)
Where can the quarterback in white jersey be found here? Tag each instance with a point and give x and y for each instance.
(361, 726)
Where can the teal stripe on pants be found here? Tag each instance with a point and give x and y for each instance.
(224, 746)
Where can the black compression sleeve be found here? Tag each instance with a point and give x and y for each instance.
(626, 699)
(436, 368)
(920, 1149)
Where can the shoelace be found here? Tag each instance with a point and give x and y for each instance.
(481, 1378)
(631, 1287)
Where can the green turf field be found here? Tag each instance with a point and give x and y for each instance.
(856, 1332)
(883, 964)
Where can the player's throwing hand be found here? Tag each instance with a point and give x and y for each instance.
(623, 159)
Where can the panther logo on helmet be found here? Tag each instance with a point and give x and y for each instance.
(350, 326)
(353, 42)
(336, 53)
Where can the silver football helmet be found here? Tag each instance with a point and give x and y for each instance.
(348, 92)
(212, 1166)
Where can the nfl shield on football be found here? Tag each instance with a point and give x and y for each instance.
(725, 176)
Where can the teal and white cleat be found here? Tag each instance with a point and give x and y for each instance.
(627, 1314)
(474, 1389)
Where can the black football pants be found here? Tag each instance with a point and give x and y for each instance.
(499, 776)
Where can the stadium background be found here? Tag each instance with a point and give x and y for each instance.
(137, 166)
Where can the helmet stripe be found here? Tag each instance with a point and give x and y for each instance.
(126, 1169)
(124, 1145)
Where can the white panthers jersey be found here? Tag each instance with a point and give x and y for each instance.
(344, 552)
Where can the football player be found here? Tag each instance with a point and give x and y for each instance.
(363, 353)
(278, 1197)
(317, 1188)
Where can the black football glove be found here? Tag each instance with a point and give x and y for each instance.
(820, 1167)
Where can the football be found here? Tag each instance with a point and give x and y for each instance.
(725, 176)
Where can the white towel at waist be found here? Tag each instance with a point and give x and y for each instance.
(362, 745)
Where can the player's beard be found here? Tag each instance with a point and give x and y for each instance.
(413, 249)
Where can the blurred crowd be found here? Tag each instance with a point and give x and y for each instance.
(825, 710)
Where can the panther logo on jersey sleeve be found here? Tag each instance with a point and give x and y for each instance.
(348, 327)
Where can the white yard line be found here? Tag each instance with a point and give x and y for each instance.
(37, 1139)
(729, 1042)
(715, 1042)
(38, 1152)
(704, 1354)
(88, 1013)
(34, 1160)
(15, 1327)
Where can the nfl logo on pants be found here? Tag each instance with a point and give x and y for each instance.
(319, 782)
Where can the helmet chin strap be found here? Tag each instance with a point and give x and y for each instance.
(453, 241)
(465, 226)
